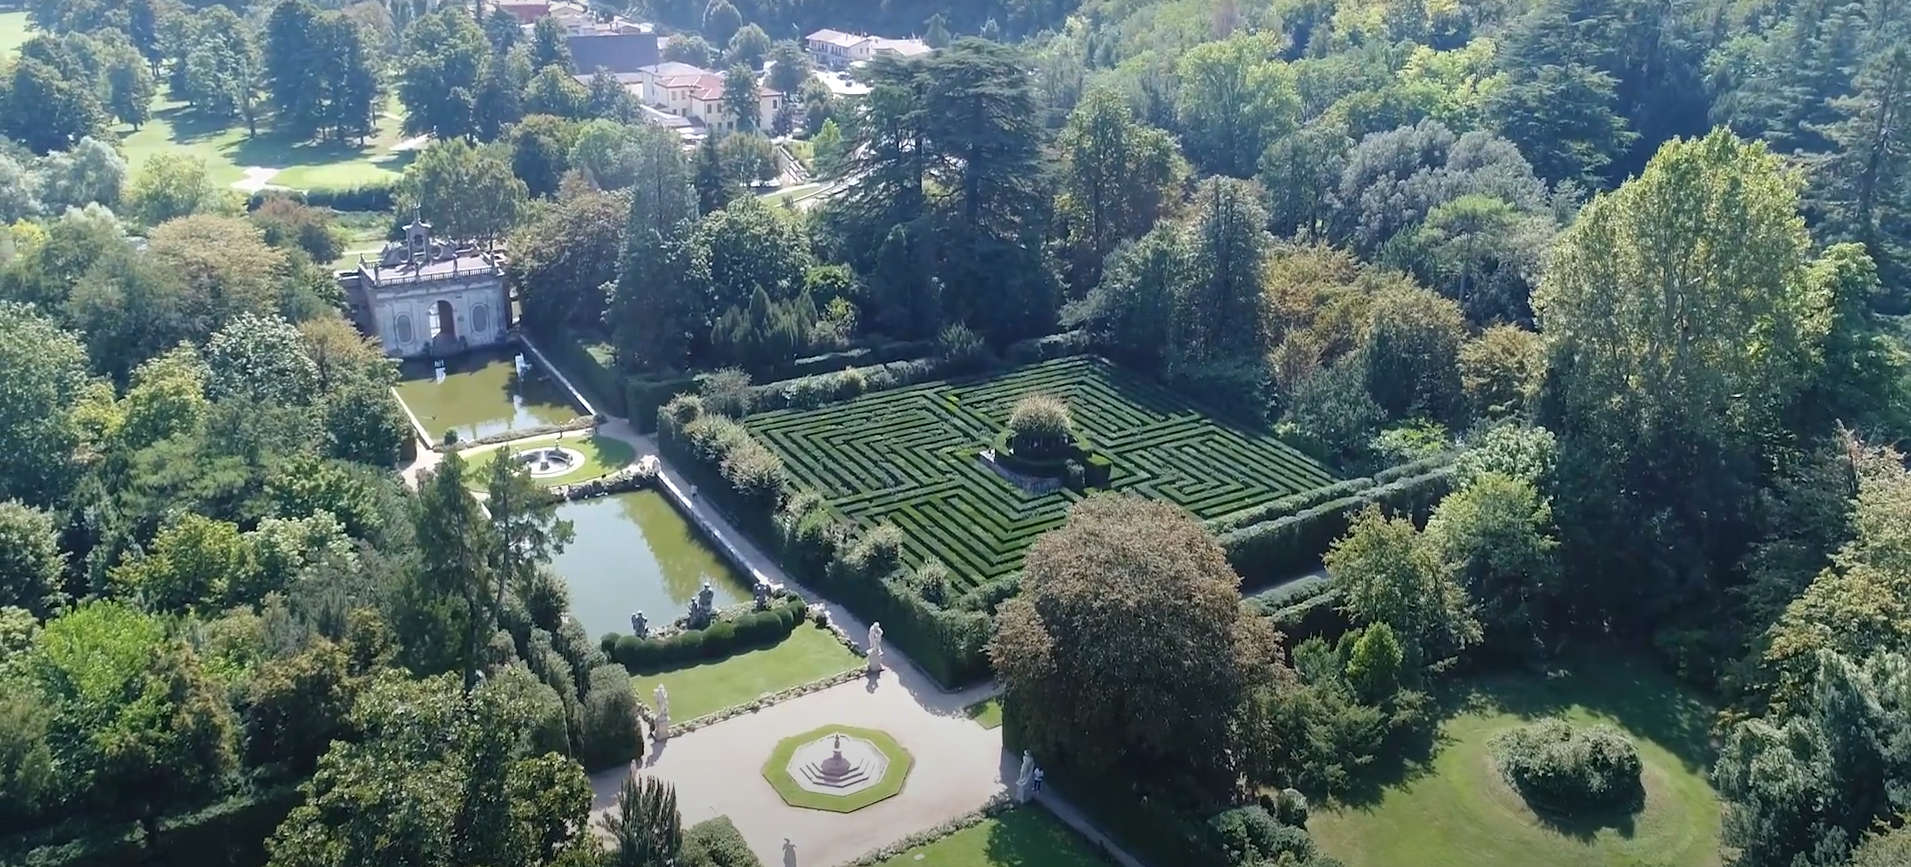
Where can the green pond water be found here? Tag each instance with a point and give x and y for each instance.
(635, 552)
(482, 394)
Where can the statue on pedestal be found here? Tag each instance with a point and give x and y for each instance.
(702, 608)
(762, 593)
(660, 725)
(639, 625)
(875, 648)
(1025, 780)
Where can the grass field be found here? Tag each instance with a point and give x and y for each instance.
(1455, 811)
(228, 151)
(13, 31)
(808, 654)
(602, 456)
(1023, 837)
(908, 457)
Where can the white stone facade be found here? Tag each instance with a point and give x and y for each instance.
(425, 298)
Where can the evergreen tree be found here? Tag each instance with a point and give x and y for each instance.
(1862, 186)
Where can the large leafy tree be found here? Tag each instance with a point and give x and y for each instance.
(1117, 177)
(1219, 311)
(1680, 324)
(141, 727)
(321, 72)
(1236, 98)
(1496, 539)
(1388, 573)
(469, 192)
(566, 255)
(439, 74)
(1411, 353)
(436, 777)
(46, 374)
(1129, 615)
(31, 561)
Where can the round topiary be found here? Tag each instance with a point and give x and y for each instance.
(1039, 426)
(1557, 766)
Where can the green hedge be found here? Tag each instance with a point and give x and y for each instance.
(822, 551)
(1276, 549)
(644, 396)
(373, 196)
(861, 356)
(566, 349)
(722, 638)
(1320, 616)
(231, 833)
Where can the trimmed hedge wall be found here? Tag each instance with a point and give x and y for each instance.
(643, 397)
(374, 196)
(566, 349)
(1272, 550)
(720, 639)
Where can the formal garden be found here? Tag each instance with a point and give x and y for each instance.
(560, 458)
(721, 675)
(1530, 768)
(909, 458)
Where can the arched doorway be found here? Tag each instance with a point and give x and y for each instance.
(444, 322)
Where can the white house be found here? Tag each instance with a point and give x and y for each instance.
(697, 93)
(835, 49)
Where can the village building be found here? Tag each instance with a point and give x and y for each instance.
(429, 297)
(689, 99)
(835, 49)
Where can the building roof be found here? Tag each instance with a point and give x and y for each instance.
(525, 11)
(617, 52)
(911, 47)
(837, 37)
(703, 83)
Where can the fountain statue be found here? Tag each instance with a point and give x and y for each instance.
(1026, 778)
(702, 608)
(875, 648)
(660, 725)
(639, 625)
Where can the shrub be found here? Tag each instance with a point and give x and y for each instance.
(1251, 836)
(1039, 426)
(1558, 766)
(608, 644)
(726, 392)
(610, 727)
(717, 843)
(961, 349)
(632, 652)
(687, 645)
(1097, 471)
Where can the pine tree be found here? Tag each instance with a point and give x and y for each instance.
(1862, 186)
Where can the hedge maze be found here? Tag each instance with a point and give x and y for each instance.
(908, 457)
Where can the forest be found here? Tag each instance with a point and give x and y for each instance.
(1634, 273)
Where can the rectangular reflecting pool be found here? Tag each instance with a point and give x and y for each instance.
(635, 552)
(482, 394)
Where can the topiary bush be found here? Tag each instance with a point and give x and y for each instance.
(1558, 766)
(1251, 836)
(1039, 426)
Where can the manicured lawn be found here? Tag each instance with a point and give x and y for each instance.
(987, 713)
(1455, 811)
(13, 31)
(228, 151)
(1023, 837)
(908, 457)
(602, 456)
(808, 654)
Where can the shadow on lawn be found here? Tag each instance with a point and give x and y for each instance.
(1629, 690)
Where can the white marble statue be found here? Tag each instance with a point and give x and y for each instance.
(1026, 778)
(875, 648)
(660, 726)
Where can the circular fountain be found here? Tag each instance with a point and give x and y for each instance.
(550, 461)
